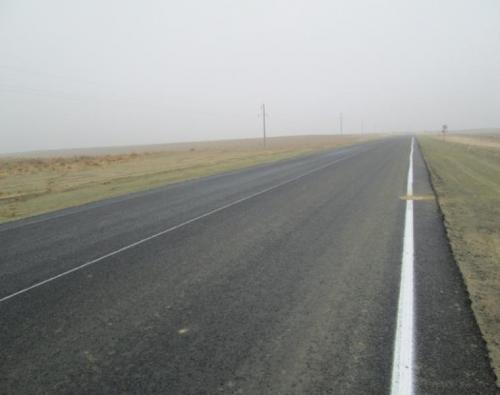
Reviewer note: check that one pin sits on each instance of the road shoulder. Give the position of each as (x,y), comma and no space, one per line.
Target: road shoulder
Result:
(451,353)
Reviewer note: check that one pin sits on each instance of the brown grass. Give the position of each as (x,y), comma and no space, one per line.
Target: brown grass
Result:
(481,141)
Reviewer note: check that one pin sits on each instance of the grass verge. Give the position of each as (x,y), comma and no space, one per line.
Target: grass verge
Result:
(35,185)
(466,178)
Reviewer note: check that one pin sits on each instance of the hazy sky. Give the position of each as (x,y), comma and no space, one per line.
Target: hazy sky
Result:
(103,72)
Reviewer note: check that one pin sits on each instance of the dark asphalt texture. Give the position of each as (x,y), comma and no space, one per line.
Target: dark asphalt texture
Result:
(291,291)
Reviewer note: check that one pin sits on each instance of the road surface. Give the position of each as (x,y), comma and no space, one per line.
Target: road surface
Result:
(282,278)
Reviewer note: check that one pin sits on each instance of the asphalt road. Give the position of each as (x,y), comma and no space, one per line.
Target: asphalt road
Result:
(283,278)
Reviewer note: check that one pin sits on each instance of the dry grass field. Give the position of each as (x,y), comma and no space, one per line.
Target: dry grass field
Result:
(480,140)
(465,172)
(45,181)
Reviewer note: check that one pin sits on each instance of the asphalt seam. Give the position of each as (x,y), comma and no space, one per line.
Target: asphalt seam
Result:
(170,229)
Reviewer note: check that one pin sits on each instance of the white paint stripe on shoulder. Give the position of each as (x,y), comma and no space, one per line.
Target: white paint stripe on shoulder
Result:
(129,246)
(402,364)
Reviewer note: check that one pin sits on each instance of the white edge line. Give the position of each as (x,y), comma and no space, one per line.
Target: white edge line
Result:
(402,382)
(129,246)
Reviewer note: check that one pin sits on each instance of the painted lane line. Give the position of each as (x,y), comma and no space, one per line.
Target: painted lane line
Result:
(402,363)
(168,230)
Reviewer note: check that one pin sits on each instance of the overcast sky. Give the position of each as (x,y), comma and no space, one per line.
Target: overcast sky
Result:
(103,72)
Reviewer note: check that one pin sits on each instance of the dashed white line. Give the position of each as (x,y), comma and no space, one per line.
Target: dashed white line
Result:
(402,364)
(129,246)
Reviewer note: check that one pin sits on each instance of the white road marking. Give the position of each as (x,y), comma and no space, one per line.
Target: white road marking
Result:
(129,246)
(402,363)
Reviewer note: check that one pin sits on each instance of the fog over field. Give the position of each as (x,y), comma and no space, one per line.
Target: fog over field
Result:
(101,73)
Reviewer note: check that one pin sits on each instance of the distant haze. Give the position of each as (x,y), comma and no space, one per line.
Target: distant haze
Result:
(100,73)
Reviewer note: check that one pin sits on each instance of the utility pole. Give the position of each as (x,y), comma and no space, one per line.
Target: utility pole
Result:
(264,124)
(341,126)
